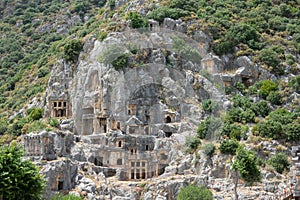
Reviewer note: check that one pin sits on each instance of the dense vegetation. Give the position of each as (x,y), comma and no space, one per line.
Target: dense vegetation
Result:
(19,179)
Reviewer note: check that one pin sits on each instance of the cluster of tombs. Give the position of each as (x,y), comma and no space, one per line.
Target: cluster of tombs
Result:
(131,146)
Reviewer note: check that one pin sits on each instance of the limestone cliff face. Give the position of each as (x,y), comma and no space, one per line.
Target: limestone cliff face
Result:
(156,89)
(131,101)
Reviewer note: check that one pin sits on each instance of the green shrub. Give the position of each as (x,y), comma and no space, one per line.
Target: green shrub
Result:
(261,108)
(137,20)
(292,131)
(229,146)
(233,131)
(274,98)
(241,101)
(283,116)
(53,122)
(112,4)
(121,61)
(192,143)
(223,46)
(15,128)
(279,161)
(36,113)
(271,59)
(295,83)
(72,50)
(243,33)
(270,129)
(101,36)
(209,105)
(234,115)
(240,87)
(3,126)
(163,12)
(186,52)
(209,127)
(34,126)
(209,149)
(193,192)
(266,87)
(247,116)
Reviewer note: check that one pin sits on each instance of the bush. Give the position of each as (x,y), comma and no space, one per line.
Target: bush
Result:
(16,126)
(115,55)
(247,116)
(292,131)
(279,161)
(234,131)
(241,101)
(53,122)
(209,149)
(163,12)
(295,83)
(274,98)
(240,87)
(229,146)
(234,115)
(269,57)
(137,20)
(224,46)
(209,127)
(35,113)
(270,129)
(35,126)
(3,126)
(283,116)
(266,87)
(192,143)
(209,105)
(261,108)
(193,192)
(72,49)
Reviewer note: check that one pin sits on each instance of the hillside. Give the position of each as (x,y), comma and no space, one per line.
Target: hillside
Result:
(189,86)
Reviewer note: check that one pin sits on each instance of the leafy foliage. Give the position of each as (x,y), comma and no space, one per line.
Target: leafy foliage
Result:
(192,143)
(19,179)
(72,49)
(267,86)
(137,20)
(209,127)
(53,122)
(246,164)
(229,146)
(193,192)
(209,105)
(279,161)
(209,149)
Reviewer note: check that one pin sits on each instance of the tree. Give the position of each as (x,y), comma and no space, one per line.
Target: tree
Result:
(193,192)
(245,164)
(19,179)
